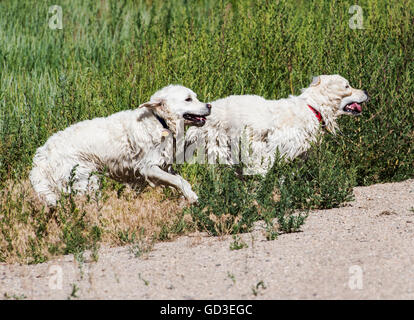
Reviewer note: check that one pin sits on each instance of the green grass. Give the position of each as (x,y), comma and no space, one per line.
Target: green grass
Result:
(112,55)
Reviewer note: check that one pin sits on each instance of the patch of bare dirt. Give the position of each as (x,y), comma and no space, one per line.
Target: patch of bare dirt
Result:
(364,250)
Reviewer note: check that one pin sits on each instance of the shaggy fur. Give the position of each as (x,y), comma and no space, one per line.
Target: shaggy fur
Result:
(265,126)
(130,146)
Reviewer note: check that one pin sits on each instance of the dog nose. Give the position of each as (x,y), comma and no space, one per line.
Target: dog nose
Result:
(366,93)
(208,105)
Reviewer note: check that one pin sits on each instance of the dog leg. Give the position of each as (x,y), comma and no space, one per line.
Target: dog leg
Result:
(154,175)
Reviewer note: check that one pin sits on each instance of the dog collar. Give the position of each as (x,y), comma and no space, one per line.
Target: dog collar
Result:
(318,115)
(166,132)
(162,121)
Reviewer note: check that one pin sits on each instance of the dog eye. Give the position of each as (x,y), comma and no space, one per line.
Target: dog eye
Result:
(347,86)
(188,99)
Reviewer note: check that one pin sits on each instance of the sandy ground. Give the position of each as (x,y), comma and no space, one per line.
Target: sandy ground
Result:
(364,250)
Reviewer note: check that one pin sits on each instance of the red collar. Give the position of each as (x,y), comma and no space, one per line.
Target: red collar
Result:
(317,114)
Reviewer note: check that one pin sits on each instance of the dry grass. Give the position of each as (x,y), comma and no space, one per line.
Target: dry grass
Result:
(218,48)
(31,233)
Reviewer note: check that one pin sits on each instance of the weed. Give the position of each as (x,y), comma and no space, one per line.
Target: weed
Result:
(14,296)
(238,243)
(231,277)
(141,247)
(258,287)
(146,282)
(51,79)
(74,292)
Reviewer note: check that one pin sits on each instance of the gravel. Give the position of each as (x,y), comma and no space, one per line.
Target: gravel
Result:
(364,250)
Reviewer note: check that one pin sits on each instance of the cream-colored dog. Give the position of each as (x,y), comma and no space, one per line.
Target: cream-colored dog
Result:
(288,125)
(126,145)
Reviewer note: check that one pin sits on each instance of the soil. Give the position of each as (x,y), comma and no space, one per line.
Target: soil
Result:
(364,250)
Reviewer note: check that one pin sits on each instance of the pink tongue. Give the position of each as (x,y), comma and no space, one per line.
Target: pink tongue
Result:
(356,106)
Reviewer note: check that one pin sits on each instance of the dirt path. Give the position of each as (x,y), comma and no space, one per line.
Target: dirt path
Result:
(362,251)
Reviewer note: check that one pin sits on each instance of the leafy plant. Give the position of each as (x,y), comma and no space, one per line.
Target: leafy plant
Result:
(238,243)
(110,57)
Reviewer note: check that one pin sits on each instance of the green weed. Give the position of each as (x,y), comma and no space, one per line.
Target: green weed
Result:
(112,56)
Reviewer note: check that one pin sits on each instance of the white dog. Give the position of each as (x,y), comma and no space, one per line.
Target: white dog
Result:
(127,145)
(288,125)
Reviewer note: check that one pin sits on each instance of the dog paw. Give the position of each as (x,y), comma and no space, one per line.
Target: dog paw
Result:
(192,198)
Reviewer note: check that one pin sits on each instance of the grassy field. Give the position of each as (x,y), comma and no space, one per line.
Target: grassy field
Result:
(112,55)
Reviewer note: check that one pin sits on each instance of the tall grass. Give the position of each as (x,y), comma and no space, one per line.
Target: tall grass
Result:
(112,55)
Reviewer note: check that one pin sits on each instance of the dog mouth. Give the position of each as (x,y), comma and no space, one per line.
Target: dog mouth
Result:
(195,119)
(353,108)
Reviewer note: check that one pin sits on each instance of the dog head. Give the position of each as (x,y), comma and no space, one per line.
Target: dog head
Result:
(333,96)
(174,103)
(335,92)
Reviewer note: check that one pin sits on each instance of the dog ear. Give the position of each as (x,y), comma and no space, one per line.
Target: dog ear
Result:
(315,81)
(152,104)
